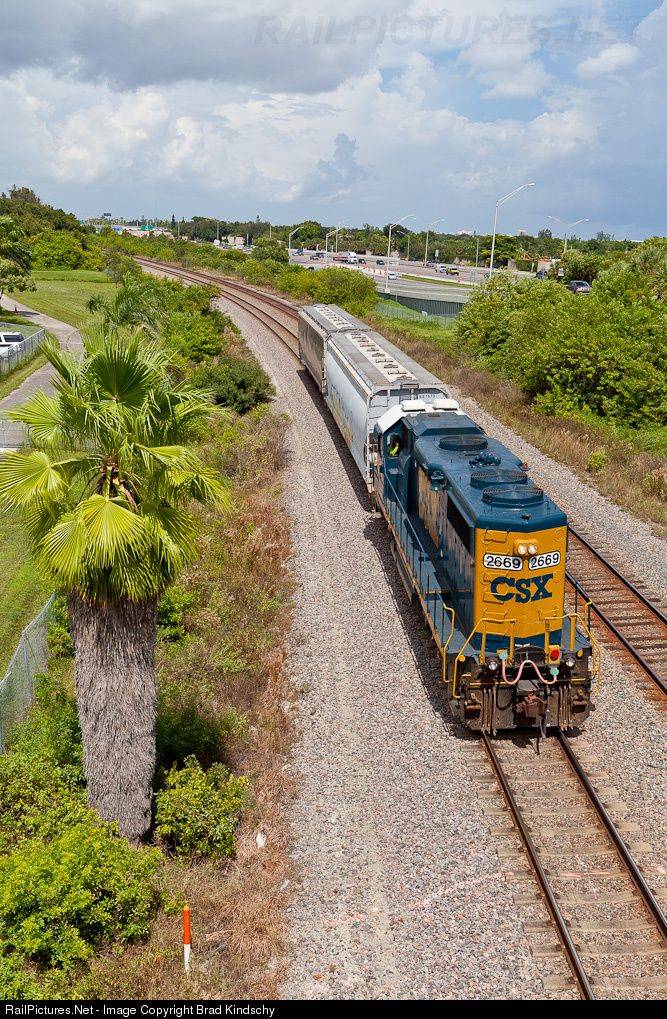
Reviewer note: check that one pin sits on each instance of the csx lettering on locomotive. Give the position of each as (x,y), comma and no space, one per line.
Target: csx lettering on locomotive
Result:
(522,589)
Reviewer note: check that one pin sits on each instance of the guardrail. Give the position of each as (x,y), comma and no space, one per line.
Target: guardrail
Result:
(17,687)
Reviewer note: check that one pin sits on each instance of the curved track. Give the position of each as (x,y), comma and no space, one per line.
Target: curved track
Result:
(597,897)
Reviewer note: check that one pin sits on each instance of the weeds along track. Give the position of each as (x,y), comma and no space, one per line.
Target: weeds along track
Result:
(623,613)
(608,922)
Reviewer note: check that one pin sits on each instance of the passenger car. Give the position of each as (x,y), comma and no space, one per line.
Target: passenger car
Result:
(579,287)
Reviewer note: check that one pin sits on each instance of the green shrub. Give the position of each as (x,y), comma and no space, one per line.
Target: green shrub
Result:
(235,383)
(184,729)
(197,812)
(60,900)
(15,983)
(60,639)
(597,461)
(197,338)
(171,610)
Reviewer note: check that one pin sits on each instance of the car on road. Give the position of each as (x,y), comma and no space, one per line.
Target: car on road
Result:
(392,275)
(541,274)
(299,251)
(316,257)
(579,287)
(379,261)
(361,261)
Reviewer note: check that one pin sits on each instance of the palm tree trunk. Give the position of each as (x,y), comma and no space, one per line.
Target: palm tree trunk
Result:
(114,646)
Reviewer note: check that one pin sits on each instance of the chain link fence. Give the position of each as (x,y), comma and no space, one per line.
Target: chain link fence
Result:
(13,434)
(12,356)
(17,685)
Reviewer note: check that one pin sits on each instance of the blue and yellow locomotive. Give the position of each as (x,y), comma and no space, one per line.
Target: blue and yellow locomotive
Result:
(480,546)
(484,550)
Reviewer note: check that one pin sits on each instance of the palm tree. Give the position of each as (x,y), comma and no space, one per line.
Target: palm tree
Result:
(105,488)
(135,303)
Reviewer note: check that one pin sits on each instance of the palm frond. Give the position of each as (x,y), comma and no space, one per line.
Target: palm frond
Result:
(114,532)
(28,476)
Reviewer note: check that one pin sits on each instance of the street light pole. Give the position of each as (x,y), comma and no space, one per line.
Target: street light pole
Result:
(568,226)
(428,229)
(289,240)
(501,201)
(391,227)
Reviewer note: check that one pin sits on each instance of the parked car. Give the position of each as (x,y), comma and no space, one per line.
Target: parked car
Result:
(541,274)
(10,342)
(579,287)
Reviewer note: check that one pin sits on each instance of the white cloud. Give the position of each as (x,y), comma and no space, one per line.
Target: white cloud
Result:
(614,58)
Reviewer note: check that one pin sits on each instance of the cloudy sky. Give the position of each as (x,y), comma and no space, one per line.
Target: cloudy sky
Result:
(387,107)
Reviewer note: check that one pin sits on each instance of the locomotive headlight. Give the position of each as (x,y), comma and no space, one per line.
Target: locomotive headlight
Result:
(522,549)
(492,664)
(570,661)
(532,549)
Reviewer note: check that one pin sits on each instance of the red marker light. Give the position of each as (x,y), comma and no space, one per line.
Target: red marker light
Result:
(554,654)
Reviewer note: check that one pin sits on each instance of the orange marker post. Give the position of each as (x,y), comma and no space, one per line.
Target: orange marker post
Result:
(186,938)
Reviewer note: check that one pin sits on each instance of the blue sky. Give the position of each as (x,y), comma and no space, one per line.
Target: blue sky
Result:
(387,107)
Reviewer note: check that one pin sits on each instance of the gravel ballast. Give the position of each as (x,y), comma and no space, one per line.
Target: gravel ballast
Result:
(402,893)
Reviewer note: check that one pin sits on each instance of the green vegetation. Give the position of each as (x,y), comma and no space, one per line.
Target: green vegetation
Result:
(105,489)
(582,377)
(22,590)
(220,691)
(65,295)
(68,884)
(197,811)
(15,257)
(599,355)
(61,249)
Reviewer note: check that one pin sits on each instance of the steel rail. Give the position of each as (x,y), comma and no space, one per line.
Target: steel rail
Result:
(649,899)
(573,958)
(617,573)
(630,648)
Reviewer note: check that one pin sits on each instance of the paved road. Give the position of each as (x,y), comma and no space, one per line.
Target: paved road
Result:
(69,339)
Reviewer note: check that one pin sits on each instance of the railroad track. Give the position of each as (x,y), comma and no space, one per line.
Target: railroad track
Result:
(622,614)
(621,611)
(610,925)
(244,297)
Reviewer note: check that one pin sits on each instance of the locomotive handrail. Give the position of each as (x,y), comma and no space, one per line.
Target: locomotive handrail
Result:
(460,657)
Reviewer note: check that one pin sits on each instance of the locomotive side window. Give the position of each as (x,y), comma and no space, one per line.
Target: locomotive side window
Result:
(459,523)
(393,444)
